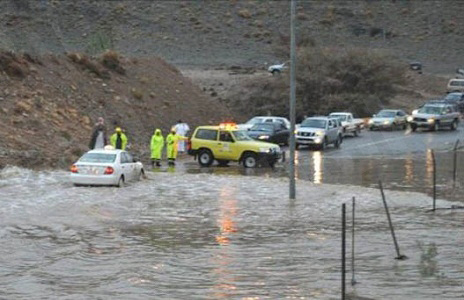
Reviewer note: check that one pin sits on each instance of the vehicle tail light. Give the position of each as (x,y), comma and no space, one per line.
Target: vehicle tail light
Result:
(74,169)
(109,171)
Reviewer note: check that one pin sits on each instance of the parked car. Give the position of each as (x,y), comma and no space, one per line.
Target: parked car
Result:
(264,119)
(273,132)
(435,116)
(455,85)
(320,132)
(276,69)
(350,124)
(388,119)
(106,167)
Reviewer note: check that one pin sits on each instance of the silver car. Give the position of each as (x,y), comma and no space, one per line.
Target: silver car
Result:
(435,116)
(389,119)
(319,132)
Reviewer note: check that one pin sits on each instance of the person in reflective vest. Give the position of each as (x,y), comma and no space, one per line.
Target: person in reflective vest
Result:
(118,140)
(156,147)
(171,144)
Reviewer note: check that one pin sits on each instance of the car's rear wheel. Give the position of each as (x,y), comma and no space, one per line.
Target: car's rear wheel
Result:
(141,175)
(250,160)
(454,125)
(205,158)
(356,132)
(121,182)
(223,163)
(275,72)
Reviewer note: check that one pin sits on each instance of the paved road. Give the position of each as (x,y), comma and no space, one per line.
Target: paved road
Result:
(396,143)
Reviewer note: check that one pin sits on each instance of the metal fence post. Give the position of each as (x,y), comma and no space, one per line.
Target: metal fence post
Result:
(397,247)
(455,161)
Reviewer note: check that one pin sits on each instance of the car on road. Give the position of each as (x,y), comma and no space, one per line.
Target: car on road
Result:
(319,132)
(389,119)
(350,124)
(457,99)
(226,142)
(264,119)
(276,69)
(106,167)
(434,116)
(455,85)
(273,132)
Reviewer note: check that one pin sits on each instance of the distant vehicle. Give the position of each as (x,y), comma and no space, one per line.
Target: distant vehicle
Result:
(349,123)
(388,119)
(276,69)
(455,85)
(318,131)
(226,142)
(270,132)
(435,116)
(106,167)
(456,98)
(264,119)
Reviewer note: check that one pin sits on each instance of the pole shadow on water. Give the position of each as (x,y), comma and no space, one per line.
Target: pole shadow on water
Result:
(397,247)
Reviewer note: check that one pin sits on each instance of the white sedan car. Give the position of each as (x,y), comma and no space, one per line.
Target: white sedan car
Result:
(106,167)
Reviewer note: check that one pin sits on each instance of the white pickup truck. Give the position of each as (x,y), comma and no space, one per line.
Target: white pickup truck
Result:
(349,123)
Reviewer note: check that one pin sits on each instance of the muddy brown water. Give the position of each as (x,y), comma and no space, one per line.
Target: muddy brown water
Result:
(231,233)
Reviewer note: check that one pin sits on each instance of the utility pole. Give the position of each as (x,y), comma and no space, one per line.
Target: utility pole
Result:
(292,98)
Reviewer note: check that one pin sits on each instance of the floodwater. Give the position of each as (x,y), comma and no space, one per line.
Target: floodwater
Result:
(229,233)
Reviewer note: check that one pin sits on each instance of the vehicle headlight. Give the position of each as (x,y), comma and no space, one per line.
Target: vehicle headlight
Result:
(265,150)
(410,119)
(320,133)
(318,140)
(263,137)
(371,121)
(431,120)
(386,122)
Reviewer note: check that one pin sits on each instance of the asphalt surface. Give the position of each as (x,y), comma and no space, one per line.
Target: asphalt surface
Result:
(396,143)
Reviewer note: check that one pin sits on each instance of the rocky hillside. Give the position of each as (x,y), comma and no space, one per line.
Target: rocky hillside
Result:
(49,103)
(212,33)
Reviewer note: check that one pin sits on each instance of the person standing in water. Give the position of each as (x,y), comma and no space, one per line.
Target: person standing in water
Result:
(118,139)
(156,147)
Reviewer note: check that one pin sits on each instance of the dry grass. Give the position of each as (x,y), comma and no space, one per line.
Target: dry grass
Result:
(14,65)
(88,64)
(111,59)
(244,13)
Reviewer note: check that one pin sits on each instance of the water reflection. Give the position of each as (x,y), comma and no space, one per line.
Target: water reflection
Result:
(429,167)
(317,162)
(408,171)
(223,260)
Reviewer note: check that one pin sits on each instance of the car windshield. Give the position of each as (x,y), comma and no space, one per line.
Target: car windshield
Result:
(453,97)
(263,127)
(431,110)
(242,135)
(255,120)
(386,114)
(98,158)
(314,123)
(340,117)
(457,83)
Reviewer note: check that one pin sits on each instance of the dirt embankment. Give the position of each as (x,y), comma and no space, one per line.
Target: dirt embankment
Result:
(49,103)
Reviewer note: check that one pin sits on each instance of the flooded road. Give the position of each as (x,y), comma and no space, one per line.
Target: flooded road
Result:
(231,233)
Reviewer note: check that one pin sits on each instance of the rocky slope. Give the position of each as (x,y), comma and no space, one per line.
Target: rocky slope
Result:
(199,33)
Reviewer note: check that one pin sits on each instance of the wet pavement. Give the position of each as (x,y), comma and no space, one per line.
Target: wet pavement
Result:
(232,233)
